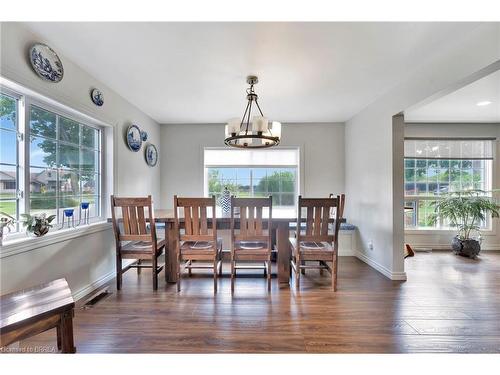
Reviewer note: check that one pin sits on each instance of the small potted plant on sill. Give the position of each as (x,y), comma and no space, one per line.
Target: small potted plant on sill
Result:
(37,225)
(6,221)
(465,210)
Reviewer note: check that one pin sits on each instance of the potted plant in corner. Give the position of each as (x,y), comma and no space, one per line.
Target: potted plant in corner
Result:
(465,210)
(38,225)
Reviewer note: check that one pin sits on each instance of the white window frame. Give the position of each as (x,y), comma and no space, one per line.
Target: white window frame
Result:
(26,98)
(491,177)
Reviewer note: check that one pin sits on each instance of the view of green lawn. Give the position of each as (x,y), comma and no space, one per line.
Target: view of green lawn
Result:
(255,182)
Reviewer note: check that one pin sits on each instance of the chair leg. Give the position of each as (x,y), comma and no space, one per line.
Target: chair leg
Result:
(215,274)
(139,268)
(269,274)
(118,272)
(179,275)
(232,275)
(321,269)
(297,273)
(165,273)
(189,269)
(154,271)
(303,270)
(220,267)
(334,275)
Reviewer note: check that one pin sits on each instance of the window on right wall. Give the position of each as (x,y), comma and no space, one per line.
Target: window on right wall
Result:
(434,167)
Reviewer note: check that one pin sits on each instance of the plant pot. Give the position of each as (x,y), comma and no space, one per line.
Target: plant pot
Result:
(469,248)
(39,232)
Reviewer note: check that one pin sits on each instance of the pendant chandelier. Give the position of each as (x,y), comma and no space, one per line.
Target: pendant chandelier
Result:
(252,132)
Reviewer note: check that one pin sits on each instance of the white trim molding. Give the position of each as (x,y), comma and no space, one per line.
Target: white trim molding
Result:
(397,276)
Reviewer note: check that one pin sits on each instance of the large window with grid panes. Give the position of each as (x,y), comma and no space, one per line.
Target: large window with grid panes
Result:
(50,160)
(253,173)
(435,167)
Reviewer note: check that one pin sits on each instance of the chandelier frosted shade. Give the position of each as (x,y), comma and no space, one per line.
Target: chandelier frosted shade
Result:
(276,129)
(257,133)
(233,126)
(260,124)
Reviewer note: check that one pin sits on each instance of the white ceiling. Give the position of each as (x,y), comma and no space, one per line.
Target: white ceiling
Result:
(195,72)
(461,105)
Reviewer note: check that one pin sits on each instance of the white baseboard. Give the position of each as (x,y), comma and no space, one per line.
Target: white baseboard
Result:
(97,283)
(400,276)
(94,285)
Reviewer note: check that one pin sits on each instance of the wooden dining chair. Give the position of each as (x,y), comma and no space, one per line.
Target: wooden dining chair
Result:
(252,242)
(198,241)
(132,237)
(318,241)
(340,207)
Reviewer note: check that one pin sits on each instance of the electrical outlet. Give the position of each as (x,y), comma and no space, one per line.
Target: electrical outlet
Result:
(370,245)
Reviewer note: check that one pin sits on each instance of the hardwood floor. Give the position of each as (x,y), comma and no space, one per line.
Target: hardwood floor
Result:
(448,304)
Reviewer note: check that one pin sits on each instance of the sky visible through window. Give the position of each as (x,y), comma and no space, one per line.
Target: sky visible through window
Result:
(8,156)
(8,122)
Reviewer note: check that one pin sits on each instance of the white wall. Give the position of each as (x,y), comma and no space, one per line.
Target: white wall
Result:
(90,258)
(369,145)
(442,239)
(322,157)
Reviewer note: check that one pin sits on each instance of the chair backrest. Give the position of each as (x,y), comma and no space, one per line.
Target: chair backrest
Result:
(340,207)
(197,226)
(252,226)
(317,217)
(132,214)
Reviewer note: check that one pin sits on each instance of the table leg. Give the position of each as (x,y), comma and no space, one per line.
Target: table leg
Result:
(66,332)
(171,253)
(59,343)
(283,260)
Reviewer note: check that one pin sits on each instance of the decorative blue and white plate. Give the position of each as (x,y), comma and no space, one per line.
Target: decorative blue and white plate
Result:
(144,135)
(97,97)
(46,63)
(134,140)
(151,155)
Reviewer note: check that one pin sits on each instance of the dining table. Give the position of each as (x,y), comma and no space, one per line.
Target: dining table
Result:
(283,221)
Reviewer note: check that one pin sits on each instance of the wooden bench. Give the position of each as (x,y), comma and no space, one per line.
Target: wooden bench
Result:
(34,310)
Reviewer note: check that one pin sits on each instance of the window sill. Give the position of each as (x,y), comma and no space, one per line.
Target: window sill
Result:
(485,232)
(23,244)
